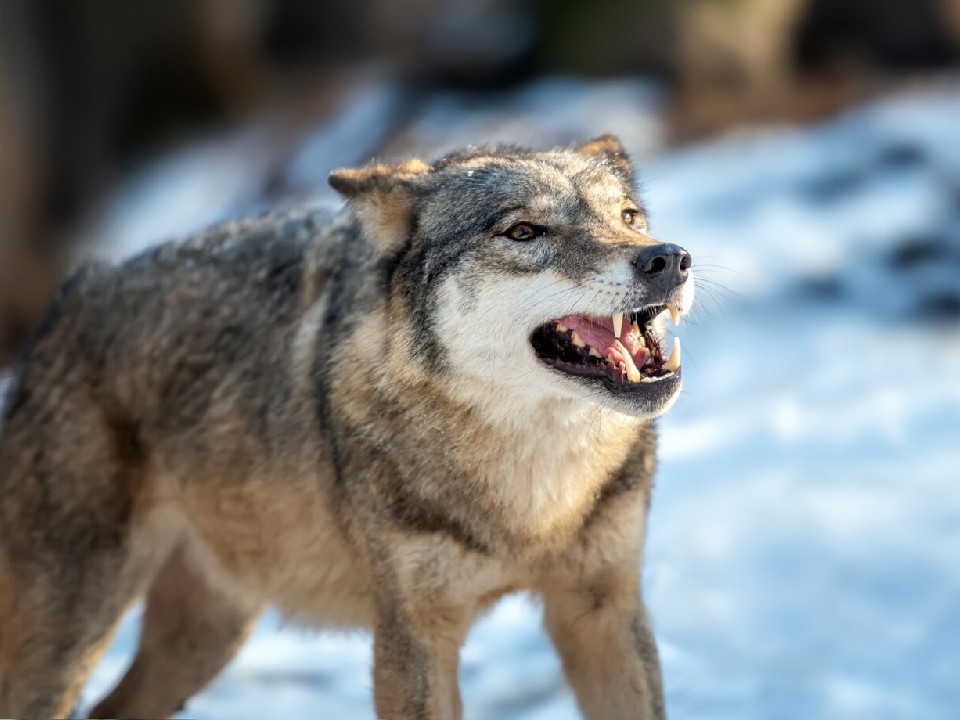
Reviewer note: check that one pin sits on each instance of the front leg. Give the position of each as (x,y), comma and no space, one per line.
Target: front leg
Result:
(603,636)
(425,604)
(415,666)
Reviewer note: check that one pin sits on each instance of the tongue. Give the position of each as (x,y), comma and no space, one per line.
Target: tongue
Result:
(600,336)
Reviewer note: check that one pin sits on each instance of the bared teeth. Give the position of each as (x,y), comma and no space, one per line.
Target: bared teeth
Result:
(593,353)
(577,340)
(674,314)
(633,375)
(636,330)
(617,324)
(561,327)
(672,363)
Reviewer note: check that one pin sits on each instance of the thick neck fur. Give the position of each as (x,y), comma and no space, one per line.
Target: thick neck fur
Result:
(532,466)
(540,463)
(545,462)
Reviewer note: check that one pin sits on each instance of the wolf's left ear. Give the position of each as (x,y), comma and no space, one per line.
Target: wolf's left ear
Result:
(607,148)
(382,198)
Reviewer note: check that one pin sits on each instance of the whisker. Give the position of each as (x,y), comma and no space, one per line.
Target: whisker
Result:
(718,306)
(706,279)
(708,286)
(542,300)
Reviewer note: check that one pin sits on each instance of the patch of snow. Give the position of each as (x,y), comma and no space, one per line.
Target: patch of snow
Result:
(206,181)
(5,381)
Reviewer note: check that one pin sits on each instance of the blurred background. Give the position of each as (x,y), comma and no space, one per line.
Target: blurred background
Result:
(804,547)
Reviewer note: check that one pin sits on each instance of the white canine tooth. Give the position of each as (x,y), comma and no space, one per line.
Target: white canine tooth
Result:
(633,375)
(617,324)
(576,339)
(636,330)
(561,327)
(672,363)
(593,352)
(674,313)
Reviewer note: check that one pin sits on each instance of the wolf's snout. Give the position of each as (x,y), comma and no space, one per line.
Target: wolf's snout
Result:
(664,265)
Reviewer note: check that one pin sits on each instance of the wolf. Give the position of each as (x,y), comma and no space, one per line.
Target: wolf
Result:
(388,417)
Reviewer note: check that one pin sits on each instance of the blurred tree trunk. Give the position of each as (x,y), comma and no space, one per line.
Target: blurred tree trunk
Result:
(759,60)
(28,270)
(87,88)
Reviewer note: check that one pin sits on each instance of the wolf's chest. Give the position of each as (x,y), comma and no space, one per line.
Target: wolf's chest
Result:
(543,486)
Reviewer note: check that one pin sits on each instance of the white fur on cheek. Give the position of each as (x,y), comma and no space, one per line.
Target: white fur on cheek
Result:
(486,326)
(485,319)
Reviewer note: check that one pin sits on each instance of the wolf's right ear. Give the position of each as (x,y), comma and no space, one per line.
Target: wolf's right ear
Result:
(352,182)
(381,195)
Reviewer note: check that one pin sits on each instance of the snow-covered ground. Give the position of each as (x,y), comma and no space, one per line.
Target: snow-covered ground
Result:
(804,547)
(806,533)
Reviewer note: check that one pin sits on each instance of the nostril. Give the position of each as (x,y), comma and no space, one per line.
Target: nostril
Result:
(658,264)
(662,259)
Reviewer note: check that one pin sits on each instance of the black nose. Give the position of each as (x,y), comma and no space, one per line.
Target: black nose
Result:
(663,264)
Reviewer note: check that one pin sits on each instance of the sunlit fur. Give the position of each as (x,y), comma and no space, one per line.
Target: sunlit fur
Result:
(342,416)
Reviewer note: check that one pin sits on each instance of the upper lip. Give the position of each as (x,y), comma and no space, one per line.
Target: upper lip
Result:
(649,311)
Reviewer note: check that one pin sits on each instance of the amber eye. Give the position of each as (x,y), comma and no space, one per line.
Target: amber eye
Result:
(523,231)
(629,216)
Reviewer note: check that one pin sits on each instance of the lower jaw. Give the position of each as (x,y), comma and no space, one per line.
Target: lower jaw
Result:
(608,375)
(654,389)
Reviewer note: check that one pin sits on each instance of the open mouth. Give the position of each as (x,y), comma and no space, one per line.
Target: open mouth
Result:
(621,350)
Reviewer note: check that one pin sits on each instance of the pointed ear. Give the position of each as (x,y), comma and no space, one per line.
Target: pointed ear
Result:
(351,182)
(381,196)
(609,150)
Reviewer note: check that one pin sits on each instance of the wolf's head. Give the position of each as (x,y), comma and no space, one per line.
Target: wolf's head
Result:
(527,274)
